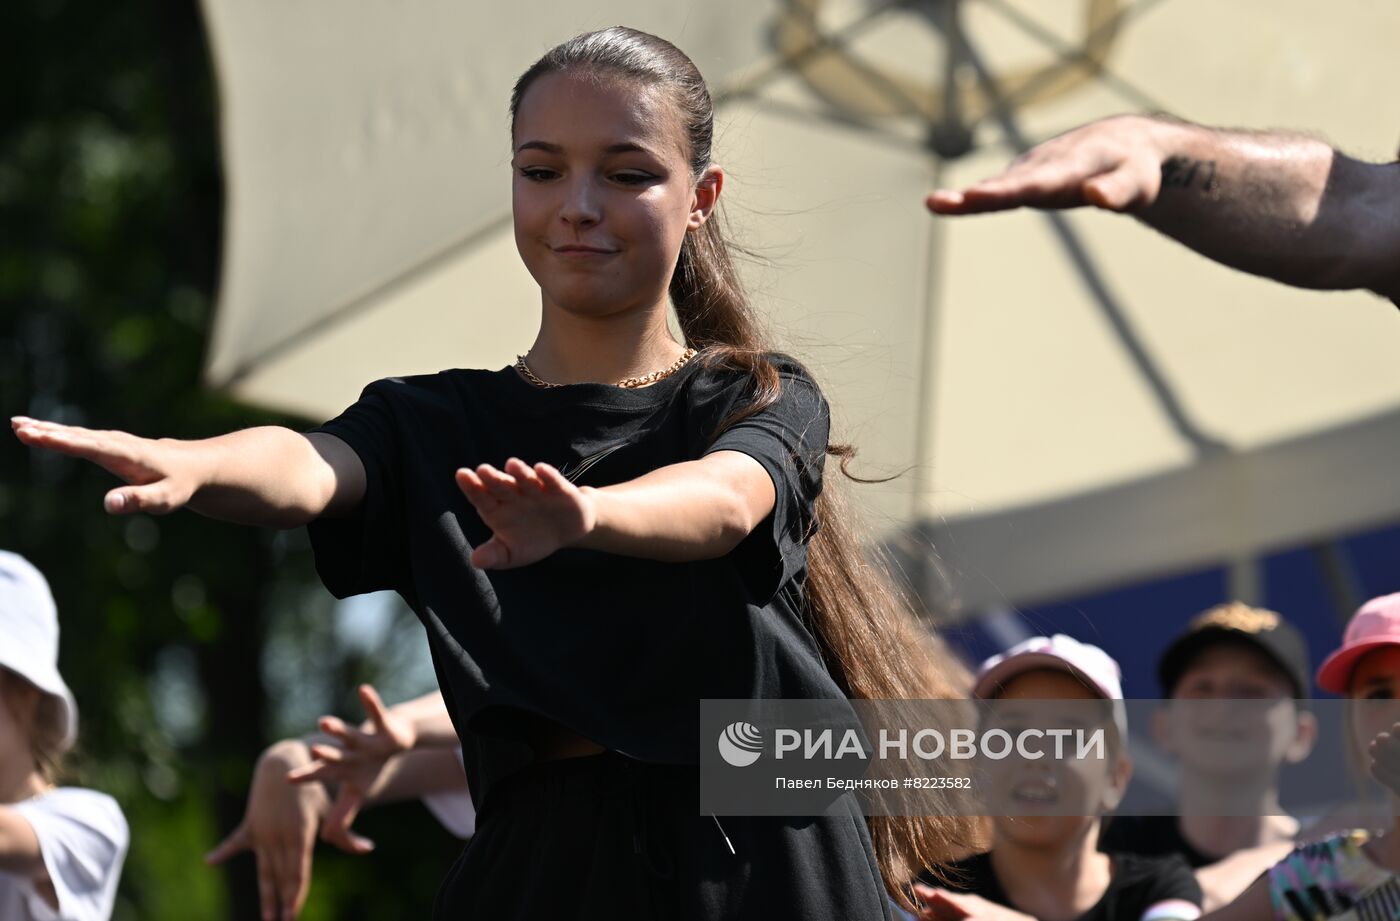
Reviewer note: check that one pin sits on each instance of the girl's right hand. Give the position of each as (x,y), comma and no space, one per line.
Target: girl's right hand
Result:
(355,765)
(162,475)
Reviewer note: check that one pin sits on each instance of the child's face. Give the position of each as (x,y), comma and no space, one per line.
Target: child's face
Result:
(1376,681)
(602,192)
(1087,787)
(18,699)
(1252,736)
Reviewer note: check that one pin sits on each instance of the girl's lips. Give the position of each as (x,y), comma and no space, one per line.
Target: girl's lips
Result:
(571,250)
(1035,791)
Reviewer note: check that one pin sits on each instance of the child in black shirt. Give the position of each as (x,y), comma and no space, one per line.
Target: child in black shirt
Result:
(1047,867)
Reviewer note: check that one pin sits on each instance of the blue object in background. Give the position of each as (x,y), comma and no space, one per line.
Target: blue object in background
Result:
(1135,623)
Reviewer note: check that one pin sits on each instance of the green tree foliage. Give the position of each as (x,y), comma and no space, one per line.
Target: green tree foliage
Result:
(110,216)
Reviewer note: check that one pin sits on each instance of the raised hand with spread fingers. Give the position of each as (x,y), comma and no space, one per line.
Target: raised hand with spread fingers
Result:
(355,764)
(531,511)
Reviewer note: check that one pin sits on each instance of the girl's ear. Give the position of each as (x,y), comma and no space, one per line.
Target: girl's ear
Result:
(706,197)
(1304,740)
(1119,774)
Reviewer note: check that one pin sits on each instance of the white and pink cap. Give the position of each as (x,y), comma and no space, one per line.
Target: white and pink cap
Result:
(1086,662)
(1377,624)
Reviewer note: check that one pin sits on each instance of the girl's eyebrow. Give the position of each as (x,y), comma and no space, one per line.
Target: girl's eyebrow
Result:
(621,147)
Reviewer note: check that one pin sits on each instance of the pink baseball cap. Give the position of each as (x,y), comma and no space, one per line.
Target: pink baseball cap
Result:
(1377,624)
(1086,662)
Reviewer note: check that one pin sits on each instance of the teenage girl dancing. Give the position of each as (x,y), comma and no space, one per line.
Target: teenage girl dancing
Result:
(603,533)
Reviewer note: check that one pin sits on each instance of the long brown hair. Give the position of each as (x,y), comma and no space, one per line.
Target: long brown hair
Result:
(874,645)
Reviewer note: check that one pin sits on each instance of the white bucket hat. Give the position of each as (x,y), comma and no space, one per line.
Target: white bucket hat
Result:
(29,635)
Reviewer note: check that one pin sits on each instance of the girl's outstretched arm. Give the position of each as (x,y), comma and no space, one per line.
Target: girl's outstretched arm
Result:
(692,510)
(268,476)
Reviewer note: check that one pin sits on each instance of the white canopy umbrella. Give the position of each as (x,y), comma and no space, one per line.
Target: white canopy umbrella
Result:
(1078,403)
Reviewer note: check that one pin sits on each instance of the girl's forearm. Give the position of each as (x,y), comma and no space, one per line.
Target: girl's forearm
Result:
(273,476)
(417,773)
(432,727)
(681,512)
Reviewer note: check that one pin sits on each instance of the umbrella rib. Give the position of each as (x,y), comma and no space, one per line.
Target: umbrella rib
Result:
(1074,57)
(358,304)
(928,343)
(780,66)
(1204,443)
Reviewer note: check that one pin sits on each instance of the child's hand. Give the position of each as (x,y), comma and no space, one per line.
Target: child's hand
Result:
(160,474)
(1385,758)
(942,905)
(531,511)
(279,827)
(355,766)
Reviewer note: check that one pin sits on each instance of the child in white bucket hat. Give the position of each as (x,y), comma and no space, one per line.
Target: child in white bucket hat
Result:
(61,848)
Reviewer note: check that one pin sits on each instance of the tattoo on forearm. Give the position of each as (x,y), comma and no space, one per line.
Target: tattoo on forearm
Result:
(1186,173)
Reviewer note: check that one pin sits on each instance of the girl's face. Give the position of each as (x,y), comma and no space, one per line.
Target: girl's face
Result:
(602,193)
(18,699)
(1375,684)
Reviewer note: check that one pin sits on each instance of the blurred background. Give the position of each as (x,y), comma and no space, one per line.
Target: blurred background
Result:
(239,212)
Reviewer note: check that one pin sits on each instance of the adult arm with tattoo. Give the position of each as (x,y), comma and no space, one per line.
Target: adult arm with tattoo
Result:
(1284,206)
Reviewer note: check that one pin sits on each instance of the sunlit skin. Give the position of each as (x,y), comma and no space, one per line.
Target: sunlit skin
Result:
(603,196)
(1049,866)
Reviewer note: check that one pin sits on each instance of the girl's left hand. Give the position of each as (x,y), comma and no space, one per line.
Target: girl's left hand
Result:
(942,905)
(531,511)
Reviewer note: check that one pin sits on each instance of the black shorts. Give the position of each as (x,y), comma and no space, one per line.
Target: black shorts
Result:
(607,837)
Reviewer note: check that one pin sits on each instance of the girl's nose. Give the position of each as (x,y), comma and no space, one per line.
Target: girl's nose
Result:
(581,204)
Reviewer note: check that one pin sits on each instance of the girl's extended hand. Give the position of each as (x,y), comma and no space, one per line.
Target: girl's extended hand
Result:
(162,477)
(1385,758)
(942,905)
(279,827)
(355,766)
(531,511)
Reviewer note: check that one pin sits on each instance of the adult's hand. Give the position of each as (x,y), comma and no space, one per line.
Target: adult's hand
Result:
(1115,164)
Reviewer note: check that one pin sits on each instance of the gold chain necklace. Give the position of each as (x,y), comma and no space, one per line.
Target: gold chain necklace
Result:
(629,383)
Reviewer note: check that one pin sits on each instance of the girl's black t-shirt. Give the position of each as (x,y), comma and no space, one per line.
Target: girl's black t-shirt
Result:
(616,649)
